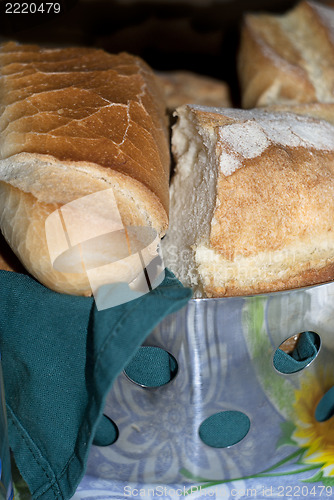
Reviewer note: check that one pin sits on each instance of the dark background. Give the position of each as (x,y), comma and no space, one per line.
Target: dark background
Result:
(200,36)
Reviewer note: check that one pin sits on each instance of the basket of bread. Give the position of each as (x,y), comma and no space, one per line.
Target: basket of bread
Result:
(91,211)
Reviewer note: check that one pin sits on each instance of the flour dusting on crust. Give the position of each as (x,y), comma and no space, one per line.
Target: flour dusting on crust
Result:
(259,130)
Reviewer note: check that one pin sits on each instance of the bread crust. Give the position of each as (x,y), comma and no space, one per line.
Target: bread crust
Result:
(271,222)
(307,278)
(73,122)
(287,58)
(186,87)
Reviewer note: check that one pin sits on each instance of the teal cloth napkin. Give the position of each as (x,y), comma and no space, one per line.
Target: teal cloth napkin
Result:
(60,356)
(151,367)
(304,352)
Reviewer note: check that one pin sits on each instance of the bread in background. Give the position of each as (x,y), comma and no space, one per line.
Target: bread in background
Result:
(252,201)
(287,59)
(186,87)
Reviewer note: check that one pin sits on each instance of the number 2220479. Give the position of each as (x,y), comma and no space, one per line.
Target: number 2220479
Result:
(304,491)
(32,8)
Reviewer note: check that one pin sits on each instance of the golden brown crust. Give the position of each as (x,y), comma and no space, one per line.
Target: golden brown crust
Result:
(74,122)
(278,193)
(302,280)
(84,105)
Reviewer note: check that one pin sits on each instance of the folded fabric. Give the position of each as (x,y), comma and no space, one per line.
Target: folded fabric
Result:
(151,367)
(304,352)
(60,356)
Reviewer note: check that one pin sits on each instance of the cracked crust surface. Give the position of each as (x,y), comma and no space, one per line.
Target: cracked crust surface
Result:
(84,105)
(73,122)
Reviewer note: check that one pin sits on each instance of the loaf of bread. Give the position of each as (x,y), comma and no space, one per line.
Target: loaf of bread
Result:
(186,87)
(77,121)
(288,58)
(252,201)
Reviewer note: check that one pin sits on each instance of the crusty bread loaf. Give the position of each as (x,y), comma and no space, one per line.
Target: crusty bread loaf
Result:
(76,121)
(252,201)
(186,87)
(287,58)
